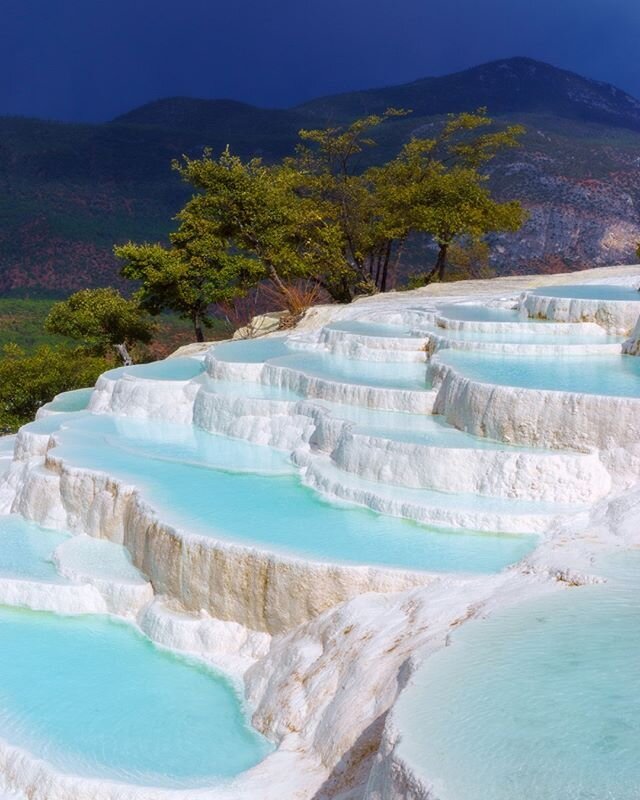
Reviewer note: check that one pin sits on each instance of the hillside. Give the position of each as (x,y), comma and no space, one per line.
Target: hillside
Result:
(68,192)
(506,86)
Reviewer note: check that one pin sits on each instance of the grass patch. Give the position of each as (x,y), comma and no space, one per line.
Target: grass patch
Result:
(22,323)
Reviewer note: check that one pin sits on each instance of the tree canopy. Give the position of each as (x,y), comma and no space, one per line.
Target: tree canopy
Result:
(324,215)
(28,380)
(197,270)
(102,319)
(259,212)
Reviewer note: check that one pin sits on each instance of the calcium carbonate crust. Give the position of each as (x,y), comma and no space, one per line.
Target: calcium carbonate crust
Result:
(321,672)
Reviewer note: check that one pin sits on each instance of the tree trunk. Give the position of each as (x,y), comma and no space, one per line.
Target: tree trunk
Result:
(393,269)
(441,262)
(121,350)
(385,267)
(197,327)
(273,272)
(440,266)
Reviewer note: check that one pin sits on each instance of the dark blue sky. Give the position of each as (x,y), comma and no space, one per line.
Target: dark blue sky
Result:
(93,59)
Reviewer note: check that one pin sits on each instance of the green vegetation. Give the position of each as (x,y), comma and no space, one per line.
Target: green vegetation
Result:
(434,186)
(22,323)
(103,320)
(196,272)
(28,380)
(69,191)
(36,364)
(327,219)
(316,217)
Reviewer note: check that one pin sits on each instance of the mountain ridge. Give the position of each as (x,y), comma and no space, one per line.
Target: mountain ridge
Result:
(69,191)
(523,74)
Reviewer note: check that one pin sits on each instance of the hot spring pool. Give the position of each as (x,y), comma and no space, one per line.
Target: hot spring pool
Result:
(593,291)
(76,400)
(541,701)
(366,328)
(593,374)
(26,550)
(526,336)
(95,698)
(252,351)
(212,491)
(402,375)
(476,312)
(171,369)
(425,429)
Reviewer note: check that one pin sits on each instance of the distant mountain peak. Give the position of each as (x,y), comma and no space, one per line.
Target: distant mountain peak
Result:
(517,84)
(508,85)
(74,190)
(172,111)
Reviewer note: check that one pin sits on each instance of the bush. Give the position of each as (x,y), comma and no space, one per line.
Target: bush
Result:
(102,319)
(28,381)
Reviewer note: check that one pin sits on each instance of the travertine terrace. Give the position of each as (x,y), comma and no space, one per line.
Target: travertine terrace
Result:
(323,597)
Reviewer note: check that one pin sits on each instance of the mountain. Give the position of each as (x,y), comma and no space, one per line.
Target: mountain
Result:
(514,85)
(68,192)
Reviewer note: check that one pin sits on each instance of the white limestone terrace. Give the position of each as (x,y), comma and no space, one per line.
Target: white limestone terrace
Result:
(611,304)
(344,405)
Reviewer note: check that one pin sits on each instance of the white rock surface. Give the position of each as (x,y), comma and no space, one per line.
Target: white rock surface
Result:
(323,650)
(615,316)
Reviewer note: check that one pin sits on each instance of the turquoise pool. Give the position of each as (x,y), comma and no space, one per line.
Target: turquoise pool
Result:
(594,291)
(605,374)
(95,698)
(541,701)
(364,328)
(252,351)
(527,335)
(219,497)
(171,369)
(26,550)
(76,400)
(400,375)
(425,429)
(475,312)
(251,389)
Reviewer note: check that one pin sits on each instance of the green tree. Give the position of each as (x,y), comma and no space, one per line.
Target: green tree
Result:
(257,211)
(434,186)
(28,380)
(363,205)
(196,271)
(323,215)
(445,190)
(102,319)
(460,205)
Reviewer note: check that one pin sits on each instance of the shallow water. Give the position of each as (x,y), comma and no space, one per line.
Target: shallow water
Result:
(475,312)
(26,550)
(363,373)
(95,698)
(252,351)
(425,429)
(526,336)
(220,498)
(76,400)
(541,701)
(327,366)
(592,374)
(53,422)
(591,292)
(171,369)
(364,328)
(250,389)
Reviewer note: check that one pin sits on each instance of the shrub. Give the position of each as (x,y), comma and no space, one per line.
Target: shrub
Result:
(28,381)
